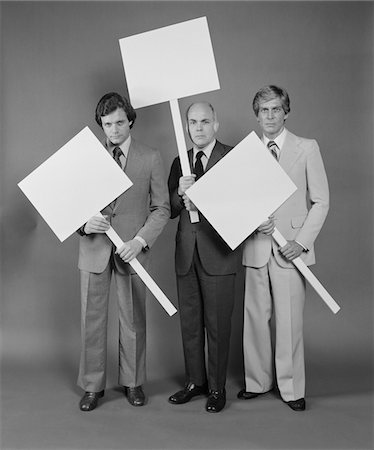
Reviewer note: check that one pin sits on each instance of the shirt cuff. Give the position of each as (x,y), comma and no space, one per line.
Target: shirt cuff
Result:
(305,249)
(141,240)
(81,231)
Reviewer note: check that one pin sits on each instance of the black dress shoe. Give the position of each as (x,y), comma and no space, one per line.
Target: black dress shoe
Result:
(135,395)
(297,405)
(216,401)
(245,395)
(89,400)
(185,395)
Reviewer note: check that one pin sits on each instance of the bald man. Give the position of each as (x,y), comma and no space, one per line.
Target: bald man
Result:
(205,268)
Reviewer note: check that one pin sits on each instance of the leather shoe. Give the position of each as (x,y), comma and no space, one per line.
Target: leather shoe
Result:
(135,395)
(245,395)
(297,405)
(216,401)
(89,400)
(185,395)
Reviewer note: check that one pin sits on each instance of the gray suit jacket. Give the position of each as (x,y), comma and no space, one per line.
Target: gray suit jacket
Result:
(301,217)
(142,210)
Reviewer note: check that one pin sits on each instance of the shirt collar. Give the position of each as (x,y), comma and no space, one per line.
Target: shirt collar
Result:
(207,150)
(279,140)
(124,146)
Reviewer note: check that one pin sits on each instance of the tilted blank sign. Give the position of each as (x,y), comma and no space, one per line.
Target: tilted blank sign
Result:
(242,190)
(74,184)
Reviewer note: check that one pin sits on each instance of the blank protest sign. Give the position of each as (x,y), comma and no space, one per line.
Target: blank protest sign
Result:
(74,184)
(169,63)
(242,190)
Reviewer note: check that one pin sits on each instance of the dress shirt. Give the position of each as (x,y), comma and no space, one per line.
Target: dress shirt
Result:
(124,147)
(207,152)
(279,140)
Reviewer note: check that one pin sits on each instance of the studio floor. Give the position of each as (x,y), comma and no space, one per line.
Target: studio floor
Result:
(40,411)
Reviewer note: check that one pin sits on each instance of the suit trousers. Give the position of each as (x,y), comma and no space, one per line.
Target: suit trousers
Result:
(273,290)
(94,319)
(205,305)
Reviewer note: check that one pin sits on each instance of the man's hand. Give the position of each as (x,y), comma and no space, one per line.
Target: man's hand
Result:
(97,224)
(267,227)
(185,183)
(189,205)
(130,250)
(291,250)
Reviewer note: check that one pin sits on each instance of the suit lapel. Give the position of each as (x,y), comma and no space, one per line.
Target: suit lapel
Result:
(134,166)
(217,153)
(135,161)
(290,152)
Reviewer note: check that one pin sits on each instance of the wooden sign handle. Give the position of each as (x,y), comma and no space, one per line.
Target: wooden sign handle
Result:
(304,269)
(182,150)
(144,275)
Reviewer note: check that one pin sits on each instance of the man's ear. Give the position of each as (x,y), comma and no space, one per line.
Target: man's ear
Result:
(130,123)
(215,126)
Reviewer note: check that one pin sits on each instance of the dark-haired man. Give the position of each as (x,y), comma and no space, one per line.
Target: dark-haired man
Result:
(138,216)
(205,267)
(273,284)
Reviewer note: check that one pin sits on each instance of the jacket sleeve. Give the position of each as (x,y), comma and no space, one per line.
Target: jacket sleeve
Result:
(159,206)
(176,202)
(318,193)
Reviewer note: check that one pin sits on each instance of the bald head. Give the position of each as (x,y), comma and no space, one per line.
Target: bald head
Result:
(202,124)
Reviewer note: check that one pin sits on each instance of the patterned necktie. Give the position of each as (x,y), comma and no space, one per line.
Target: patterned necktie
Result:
(273,147)
(117,153)
(199,169)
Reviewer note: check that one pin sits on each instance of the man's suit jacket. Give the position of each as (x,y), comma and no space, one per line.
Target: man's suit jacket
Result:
(142,210)
(301,217)
(216,256)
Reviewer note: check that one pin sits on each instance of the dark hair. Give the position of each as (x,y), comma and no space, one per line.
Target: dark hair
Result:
(112,101)
(269,93)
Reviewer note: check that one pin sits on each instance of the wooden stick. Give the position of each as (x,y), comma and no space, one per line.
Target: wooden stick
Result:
(144,275)
(182,150)
(303,268)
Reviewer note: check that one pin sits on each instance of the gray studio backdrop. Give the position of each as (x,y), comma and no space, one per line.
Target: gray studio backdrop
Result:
(59,58)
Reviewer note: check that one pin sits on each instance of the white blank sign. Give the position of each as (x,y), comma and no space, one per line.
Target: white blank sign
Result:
(169,63)
(74,184)
(242,190)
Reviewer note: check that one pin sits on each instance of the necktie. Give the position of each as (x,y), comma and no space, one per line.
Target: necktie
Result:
(273,147)
(117,152)
(199,169)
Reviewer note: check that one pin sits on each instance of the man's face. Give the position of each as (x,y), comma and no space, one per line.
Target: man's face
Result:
(116,126)
(201,125)
(271,117)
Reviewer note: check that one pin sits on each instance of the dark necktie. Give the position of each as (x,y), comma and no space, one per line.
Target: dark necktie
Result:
(117,152)
(273,147)
(199,169)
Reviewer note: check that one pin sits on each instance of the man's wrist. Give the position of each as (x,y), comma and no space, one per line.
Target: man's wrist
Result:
(142,241)
(303,246)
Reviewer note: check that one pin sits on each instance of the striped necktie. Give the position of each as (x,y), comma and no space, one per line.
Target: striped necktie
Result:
(199,169)
(273,147)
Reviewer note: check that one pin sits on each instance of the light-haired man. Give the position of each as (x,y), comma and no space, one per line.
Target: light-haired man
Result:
(273,284)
